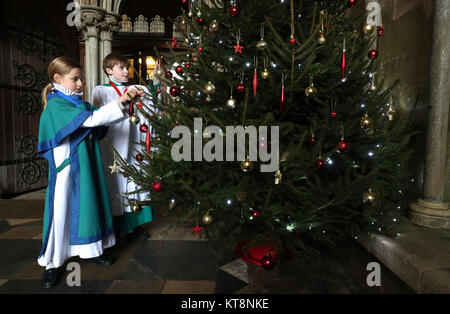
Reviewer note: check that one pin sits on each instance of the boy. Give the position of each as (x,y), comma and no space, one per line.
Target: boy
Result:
(122,136)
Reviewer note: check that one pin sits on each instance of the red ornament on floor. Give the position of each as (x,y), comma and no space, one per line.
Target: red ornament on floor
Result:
(268,262)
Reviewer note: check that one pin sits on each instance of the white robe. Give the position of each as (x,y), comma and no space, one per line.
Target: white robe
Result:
(58,248)
(123,136)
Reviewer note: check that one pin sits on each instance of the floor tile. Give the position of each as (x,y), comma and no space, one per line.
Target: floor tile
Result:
(28,232)
(179,260)
(21,209)
(15,222)
(17,255)
(189,287)
(228,284)
(34,287)
(2,281)
(136,287)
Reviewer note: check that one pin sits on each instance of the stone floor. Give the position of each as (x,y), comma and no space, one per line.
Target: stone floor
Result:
(172,261)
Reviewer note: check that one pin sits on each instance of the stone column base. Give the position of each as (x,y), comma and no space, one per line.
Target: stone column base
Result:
(430,213)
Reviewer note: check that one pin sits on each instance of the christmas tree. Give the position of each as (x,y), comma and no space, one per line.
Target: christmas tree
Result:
(333,159)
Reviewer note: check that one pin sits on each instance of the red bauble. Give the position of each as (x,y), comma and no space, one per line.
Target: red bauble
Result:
(254,255)
(169,74)
(200,20)
(158,90)
(174,91)
(200,49)
(352,3)
(240,88)
(179,69)
(333,114)
(268,262)
(143,128)
(373,54)
(380,30)
(342,147)
(235,11)
(292,41)
(312,140)
(187,65)
(256,214)
(157,186)
(320,163)
(139,157)
(184,1)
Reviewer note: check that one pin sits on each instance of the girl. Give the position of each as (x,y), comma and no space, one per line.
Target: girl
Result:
(77,216)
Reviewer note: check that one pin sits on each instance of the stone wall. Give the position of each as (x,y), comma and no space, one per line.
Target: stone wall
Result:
(405,57)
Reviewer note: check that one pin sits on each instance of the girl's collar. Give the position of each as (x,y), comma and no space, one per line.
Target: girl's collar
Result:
(66,91)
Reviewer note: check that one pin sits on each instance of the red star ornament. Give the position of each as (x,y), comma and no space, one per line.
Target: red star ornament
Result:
(238,48)
(197,229)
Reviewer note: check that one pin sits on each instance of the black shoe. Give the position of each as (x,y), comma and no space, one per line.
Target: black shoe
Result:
(49,278)
(102,260)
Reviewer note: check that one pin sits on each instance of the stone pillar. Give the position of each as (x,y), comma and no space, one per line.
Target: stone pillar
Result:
(91,22)
(432,210)
(110,25)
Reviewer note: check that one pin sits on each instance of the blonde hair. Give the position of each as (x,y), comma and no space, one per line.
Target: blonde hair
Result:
(61,66)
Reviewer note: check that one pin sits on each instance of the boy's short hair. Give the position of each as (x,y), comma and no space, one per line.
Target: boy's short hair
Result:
(112,59)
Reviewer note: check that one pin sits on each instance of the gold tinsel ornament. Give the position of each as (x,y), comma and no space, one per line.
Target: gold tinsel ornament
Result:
(247,165)
(207,218)
(366,123)
(136,208)
(369,197)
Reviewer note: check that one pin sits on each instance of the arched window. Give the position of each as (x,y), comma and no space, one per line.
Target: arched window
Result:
(126,25)
(141,25)
(157,26)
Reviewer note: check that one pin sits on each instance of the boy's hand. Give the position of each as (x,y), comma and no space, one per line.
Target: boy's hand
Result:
(131,96)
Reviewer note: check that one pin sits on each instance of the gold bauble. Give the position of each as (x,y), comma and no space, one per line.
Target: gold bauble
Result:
(207,219)
(134,119)
(247,165)
(209,98)
(265,74)
(366,123)
(310,90)
(199,14)
(214,26)
(159,73)
(262,44)
(322,39)
(190,14)
(231,103)
(373,87)
(369,197)
(368,29)
(209,88)
(136,208)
